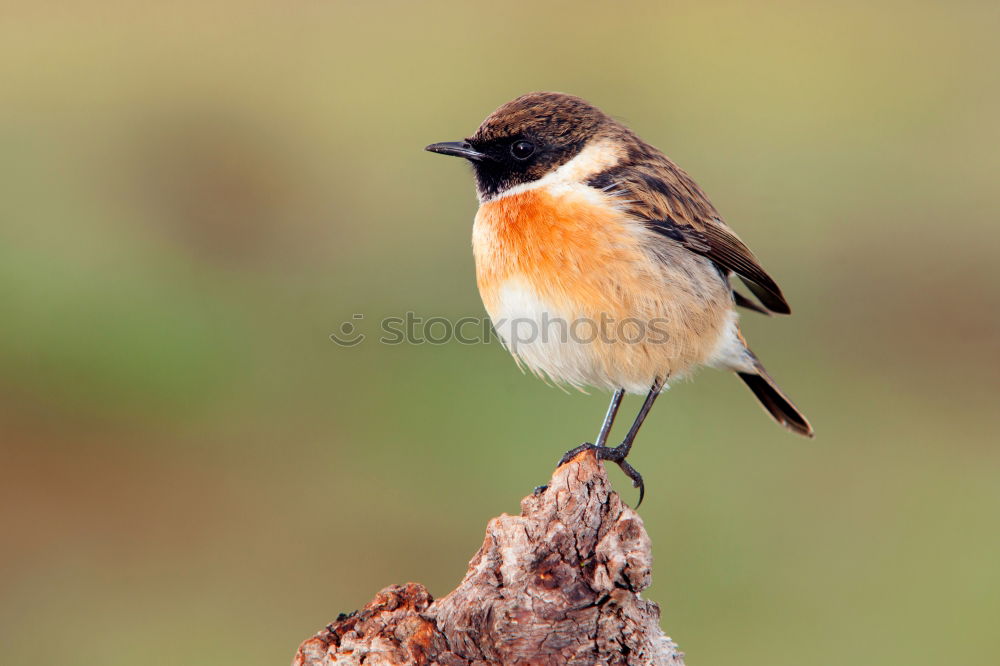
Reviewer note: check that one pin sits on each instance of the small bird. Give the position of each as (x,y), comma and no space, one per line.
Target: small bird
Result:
(583,226)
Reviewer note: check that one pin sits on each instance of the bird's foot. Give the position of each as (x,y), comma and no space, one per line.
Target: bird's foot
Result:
(573,453)
(617,455)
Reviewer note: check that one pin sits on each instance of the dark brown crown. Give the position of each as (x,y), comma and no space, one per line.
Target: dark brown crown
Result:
(557,117)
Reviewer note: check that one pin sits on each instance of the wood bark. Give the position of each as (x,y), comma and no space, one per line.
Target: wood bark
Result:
(558,584)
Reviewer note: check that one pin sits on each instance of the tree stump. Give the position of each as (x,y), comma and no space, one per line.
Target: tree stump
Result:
(558,584)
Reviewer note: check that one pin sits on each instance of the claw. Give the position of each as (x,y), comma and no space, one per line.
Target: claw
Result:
(637,481)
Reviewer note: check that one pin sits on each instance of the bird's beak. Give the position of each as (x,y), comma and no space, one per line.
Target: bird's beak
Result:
(457,149)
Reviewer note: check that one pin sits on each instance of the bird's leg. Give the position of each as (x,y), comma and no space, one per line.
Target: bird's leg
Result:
(618,454)
(602,436)
(609,418)
(626,444)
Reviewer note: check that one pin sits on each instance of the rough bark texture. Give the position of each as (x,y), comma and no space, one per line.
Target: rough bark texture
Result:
(558,584)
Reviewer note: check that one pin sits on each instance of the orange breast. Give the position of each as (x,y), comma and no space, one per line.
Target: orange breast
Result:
(573,249)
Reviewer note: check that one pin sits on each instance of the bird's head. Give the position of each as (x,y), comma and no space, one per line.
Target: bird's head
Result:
(529,138)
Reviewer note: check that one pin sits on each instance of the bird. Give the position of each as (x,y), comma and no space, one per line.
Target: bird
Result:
(584,227)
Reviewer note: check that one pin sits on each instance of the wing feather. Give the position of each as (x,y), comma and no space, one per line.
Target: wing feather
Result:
(662,195)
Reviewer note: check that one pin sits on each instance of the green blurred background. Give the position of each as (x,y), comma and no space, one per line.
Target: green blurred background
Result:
(193,196)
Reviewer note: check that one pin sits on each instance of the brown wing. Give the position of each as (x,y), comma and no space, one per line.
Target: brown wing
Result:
(664,196)
(722,246)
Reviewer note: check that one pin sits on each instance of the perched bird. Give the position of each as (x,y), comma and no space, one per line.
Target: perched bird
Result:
(585,228)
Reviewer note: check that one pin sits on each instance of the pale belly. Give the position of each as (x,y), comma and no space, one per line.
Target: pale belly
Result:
(605,349)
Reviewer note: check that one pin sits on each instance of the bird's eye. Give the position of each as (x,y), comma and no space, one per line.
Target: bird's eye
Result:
(522,150)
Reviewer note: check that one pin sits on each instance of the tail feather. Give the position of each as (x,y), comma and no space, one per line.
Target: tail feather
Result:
(777,404)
